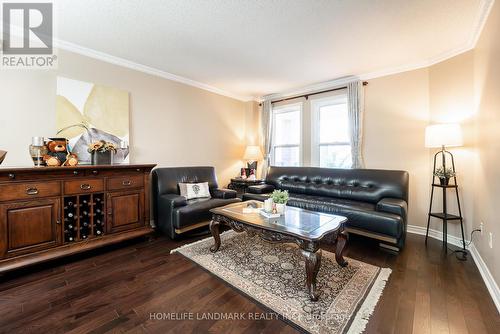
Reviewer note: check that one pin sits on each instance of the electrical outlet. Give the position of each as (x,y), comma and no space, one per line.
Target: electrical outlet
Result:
(481,227)
(490,241)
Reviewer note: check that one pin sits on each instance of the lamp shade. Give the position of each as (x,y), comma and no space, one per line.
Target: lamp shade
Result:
(439,135)
(253,153)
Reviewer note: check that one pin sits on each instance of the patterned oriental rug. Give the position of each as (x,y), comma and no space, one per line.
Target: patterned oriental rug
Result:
(274,276)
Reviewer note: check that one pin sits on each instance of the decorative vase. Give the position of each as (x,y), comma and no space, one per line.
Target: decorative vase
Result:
(444,181)
(102,158)
(280,208)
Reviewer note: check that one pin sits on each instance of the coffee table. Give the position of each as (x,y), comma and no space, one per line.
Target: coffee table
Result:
(303,227)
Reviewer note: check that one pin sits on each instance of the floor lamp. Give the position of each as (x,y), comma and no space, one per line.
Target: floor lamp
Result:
(442,136)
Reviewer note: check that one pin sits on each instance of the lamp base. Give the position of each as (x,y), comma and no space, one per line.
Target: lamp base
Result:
(252,165)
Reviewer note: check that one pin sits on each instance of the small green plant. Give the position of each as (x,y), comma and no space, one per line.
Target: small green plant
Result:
(280,196)
(442,173)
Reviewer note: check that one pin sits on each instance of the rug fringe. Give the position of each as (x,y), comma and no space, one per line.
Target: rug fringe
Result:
(197,242)
(366,310)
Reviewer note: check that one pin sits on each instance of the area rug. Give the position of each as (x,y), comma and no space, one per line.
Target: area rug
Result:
(274,276)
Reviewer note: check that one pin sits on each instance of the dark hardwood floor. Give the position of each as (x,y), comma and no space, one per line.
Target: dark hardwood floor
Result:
(118,288)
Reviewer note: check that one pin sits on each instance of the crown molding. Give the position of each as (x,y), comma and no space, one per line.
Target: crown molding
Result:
(485,7)
(64,45)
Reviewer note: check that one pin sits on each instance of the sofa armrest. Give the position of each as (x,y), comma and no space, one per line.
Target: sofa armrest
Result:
(224,193)
(393,205)
(172,200)
(165,205)
(260,189)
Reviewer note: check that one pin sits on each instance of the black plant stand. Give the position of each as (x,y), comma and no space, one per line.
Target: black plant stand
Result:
(445,216)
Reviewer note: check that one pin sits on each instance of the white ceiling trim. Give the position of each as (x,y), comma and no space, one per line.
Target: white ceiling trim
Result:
(485,9)
(143,68)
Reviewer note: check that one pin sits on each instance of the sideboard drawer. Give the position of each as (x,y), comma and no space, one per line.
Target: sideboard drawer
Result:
(17,191)
(126,182)
(83,186)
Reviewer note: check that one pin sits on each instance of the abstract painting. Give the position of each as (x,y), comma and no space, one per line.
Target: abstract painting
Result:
(87,112)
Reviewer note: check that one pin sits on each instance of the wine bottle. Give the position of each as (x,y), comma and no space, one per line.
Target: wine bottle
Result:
(70,214)
(70,226)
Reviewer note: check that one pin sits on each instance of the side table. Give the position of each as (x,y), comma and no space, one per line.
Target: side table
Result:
(241,185)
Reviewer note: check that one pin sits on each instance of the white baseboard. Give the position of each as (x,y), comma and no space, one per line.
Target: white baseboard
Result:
(486,275)
(488,279)
(435,234)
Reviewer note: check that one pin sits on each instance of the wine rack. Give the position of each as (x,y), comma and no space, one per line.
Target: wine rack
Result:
(98,214)
(70,219)
(84,217)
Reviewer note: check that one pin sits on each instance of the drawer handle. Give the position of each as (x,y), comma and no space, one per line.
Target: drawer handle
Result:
(127,183)
(12,176)
(85,186)
(32,191)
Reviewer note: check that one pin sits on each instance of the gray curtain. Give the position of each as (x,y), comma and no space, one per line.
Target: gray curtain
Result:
(267,128)
(355,102)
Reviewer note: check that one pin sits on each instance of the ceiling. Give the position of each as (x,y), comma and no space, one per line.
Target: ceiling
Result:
(248,49)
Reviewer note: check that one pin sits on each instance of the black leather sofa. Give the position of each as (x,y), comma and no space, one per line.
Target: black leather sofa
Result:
(374,201)
(174,214)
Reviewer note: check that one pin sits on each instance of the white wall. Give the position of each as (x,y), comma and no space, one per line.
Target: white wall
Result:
(487,107)
(396,114)
(172,124)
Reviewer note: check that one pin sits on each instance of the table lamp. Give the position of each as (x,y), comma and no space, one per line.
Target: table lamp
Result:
(252,155)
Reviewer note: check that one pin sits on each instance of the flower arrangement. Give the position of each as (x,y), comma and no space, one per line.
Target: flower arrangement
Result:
(443,173)
(101,146)
(280,196)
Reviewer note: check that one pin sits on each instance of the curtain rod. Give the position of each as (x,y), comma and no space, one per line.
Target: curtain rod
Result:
(307,95)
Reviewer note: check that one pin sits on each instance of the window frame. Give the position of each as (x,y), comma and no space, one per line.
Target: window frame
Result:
(281,109)
(315,105)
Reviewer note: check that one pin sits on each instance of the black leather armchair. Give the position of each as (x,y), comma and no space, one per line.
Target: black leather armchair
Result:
(174,214)
(374,201)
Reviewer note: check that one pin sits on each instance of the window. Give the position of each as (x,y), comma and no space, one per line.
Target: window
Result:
(286,150)
(330,133)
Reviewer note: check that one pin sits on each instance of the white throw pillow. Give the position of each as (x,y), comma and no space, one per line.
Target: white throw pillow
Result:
(194,190)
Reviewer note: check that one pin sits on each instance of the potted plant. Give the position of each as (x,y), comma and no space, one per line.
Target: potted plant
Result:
(444,175)
(280,197)
(102,152)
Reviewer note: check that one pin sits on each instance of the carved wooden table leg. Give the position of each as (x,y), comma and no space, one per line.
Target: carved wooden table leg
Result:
(214,229)
(313,263)
(340,247)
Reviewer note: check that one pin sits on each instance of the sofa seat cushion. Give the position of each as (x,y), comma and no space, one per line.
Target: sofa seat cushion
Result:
(359,214)
(257,197)
(198,210)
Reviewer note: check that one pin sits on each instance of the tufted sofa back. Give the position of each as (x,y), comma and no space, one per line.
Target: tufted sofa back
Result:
(166,180)
(367,185)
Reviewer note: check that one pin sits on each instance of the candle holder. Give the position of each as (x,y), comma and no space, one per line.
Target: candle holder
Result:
(37,150)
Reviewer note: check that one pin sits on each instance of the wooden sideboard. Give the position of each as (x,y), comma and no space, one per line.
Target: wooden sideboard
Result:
(51,212)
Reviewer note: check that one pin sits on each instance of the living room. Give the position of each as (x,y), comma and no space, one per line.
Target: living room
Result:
(139,138)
